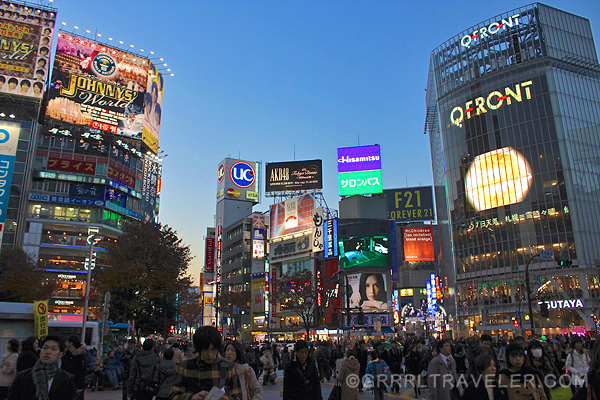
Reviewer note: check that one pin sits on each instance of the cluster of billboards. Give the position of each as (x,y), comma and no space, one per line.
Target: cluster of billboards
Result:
(359,170)
(26,36)
(106,89)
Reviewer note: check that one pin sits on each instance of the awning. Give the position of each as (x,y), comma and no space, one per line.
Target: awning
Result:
(387,330)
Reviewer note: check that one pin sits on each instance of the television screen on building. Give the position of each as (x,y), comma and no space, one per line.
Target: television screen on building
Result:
(418,244)
(364,251)
(27,33)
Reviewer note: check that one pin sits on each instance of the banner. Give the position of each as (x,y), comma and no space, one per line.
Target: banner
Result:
(40,318)
(209,255)
(317,243)
(153,107)
(370,292)
(280,216)
(152,173)
(97,86)
(9,139)
(26,33)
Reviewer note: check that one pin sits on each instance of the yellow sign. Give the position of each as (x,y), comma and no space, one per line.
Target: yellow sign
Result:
(252,196)
(208,300)
(40,318)
(220,193)
(406,292)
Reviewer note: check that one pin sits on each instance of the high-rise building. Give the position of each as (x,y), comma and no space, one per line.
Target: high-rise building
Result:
(512,114)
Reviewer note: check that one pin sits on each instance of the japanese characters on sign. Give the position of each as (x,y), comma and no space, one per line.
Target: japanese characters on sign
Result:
(75,166)
(9,138)
(359,170)
(294,175)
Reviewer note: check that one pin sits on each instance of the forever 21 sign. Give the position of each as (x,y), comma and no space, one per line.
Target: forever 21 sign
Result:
(294,176)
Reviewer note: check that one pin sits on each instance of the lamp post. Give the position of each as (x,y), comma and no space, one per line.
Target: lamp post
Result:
(92,239)
(529,294)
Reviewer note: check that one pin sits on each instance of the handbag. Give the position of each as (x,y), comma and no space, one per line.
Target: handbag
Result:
(336,393)
(560,393)
(368,384)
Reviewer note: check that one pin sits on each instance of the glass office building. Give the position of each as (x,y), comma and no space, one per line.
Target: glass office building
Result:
(513,114)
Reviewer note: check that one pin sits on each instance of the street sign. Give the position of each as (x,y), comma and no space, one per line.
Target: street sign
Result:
(516,313)
(546,255)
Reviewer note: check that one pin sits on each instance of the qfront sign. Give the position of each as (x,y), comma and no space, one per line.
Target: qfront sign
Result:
(485,32)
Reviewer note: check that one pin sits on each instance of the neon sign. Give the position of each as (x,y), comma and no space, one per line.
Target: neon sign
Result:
(557,304)
(493,101)
(493,28)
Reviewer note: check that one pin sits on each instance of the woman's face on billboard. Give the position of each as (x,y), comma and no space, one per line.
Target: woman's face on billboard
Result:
(372,287)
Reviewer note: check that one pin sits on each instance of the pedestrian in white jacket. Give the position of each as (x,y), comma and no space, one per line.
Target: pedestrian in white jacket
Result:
(578,363)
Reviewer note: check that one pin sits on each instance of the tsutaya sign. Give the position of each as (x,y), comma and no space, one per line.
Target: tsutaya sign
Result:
(493,101)
(491,29)
(559,304)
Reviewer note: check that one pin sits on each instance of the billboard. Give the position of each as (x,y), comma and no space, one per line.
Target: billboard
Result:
(238,180)
(151,177)
(294,175)
(153,107)
(330,238)
(359,170)
(410,204)
(370,292)
(98,86)
(9,139)
(364,251)
(209,254)
(296,219)
(26,36)
(418,244)
(498,178)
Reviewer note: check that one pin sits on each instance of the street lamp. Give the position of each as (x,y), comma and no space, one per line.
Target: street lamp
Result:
(92,240)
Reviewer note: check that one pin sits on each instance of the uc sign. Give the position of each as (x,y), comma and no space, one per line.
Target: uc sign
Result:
(242,174)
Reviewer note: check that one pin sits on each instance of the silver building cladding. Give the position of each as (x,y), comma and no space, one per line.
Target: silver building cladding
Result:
(513,114)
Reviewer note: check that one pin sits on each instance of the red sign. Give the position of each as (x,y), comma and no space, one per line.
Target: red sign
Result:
(418,244)
(121,176)
(209,255)
(104,127)
(81,167)
(274,293)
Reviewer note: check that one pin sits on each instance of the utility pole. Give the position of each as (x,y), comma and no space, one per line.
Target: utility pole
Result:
(529,294)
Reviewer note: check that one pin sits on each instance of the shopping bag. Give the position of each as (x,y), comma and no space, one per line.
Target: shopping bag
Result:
(561,393)
(336,393)
(368,384)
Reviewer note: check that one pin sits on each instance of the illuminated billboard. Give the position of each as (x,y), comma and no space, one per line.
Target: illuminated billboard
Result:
(26,36)
(153,107)
(359,170)
(291,216)
(294,175)
(9,138)
(364,251)
(498,178)
(238,180)
(410,204)
(370,292)
(418,244)
(98,86)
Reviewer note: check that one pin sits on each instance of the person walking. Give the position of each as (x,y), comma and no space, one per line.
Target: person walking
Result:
(394,355)
(486,387)
(29,354)
(285,357)
(414,368)
(251,388)
(522,381)
(577,364)
(128,355)
(301,377)
(75,362)
(98,376)
(45,380)
(376,368)
(349,368)
(268,365)
(8,367)
(165,374)
(141,382)
(177,354)
(442,379)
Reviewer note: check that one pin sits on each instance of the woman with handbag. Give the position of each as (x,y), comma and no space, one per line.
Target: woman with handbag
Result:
(349,370)
(251,389)
(301,377)
(268,366)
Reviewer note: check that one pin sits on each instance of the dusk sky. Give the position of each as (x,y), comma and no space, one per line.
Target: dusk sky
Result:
(286,80)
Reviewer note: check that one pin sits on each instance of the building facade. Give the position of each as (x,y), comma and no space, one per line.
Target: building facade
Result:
(514,122)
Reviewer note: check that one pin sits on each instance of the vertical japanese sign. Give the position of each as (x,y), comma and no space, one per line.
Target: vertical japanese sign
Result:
(152,173)
(273,295)
(330,239)
(219,244)
(317,230)
(40,318)
(9,138)
(258,236)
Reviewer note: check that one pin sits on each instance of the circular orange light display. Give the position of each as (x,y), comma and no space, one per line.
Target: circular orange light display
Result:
(498,178)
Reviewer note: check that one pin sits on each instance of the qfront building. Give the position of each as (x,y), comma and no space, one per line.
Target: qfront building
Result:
(513,113)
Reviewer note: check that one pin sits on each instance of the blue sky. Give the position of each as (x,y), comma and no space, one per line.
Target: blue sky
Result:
(283,80)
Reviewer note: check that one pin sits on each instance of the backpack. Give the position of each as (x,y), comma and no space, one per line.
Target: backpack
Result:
(382,369)
(146,387)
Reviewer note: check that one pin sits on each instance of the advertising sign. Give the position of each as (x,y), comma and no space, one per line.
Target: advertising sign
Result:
(317,243)
(370,292)
(152,173)
(359,170)
(74,166)
(364,251)
(209,255)
(98,86)
(238,180)
(330,238)
(258,236)
(294,175)
(393,251)
(65,199)
(410,204)
(153,107)
(26,34)
(280,216)
(86,191)
(291,213)
(9,138)
(418,244)
(40,318)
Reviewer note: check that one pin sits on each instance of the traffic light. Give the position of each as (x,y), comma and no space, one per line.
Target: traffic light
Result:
(172,330)
(243,312)
(516,323)
(595,318)
(563,262)
(544,310)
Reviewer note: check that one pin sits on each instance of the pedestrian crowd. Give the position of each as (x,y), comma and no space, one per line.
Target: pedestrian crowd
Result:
(479,367)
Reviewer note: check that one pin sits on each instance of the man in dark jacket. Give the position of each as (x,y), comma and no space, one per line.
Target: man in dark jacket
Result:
(301,377)
(141,374)
(394,361)
(33,382)
(165,374)
(75,362)
(128,354)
